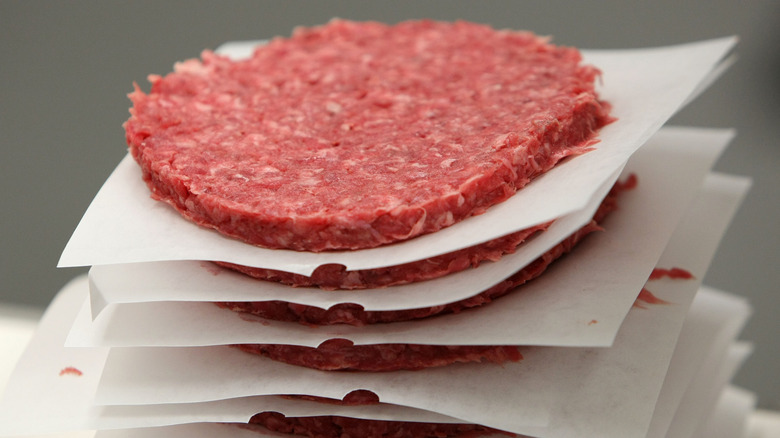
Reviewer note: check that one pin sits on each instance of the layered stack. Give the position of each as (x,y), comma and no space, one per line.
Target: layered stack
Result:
(388,231)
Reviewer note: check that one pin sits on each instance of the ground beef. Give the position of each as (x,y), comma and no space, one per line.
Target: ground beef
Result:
(345,427)
(342,355)
(355,315)
(357,397)
(353,135)
(675,273)
(331,277)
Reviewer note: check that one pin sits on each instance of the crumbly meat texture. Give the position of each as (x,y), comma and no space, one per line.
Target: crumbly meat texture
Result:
(342,355)
(355,315)
(358,134)
(357,397)
(333,277)
(345,427)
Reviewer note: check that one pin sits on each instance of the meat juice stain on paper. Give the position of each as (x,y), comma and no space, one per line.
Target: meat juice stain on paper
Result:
(71,371)
(645,296)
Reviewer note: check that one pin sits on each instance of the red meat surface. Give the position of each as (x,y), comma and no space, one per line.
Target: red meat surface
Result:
(331,277)
(354,398)
(345,427)
(356,315)
(341,355)
(353,135)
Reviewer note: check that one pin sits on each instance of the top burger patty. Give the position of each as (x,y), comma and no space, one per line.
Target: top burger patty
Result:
(353,135)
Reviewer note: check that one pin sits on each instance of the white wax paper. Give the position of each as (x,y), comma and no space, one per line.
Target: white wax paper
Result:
(597,379)
(698,323)
(36,391)
(645,87)
(626,375)
(730,417)
(18,412)
(597,282)
(69,405)
(721,317)
(728,420)
(686,153)
(620,404)
(37,370)
(599,391)
(185,280)
(39,389)
(702,393)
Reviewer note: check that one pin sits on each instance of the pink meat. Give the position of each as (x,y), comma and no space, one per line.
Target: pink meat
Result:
(353,398)
(331,277)
(341,355)
(354,135)
(356,315)
(345,427)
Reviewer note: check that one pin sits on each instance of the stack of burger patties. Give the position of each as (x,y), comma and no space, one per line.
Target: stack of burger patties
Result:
(425,229)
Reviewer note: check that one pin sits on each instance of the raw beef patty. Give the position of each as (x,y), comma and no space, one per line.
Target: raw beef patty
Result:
(358,134)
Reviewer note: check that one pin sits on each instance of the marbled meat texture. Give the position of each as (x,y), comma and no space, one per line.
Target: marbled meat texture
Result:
(334,276)
(358,134)
(342,355)
(355,315)
(345,427)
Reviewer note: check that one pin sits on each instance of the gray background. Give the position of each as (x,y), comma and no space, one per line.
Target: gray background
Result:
(65,68)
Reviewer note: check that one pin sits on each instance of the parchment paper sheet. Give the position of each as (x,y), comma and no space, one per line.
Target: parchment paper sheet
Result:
(721,318)
(598,281)
(556,391)
(730,416)
(645,87)
(579,388)
(684,154)
(702,394)
(71,409)
(610,374)
(40,390)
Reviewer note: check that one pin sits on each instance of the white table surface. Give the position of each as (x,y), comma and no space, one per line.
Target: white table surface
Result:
(17,326)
